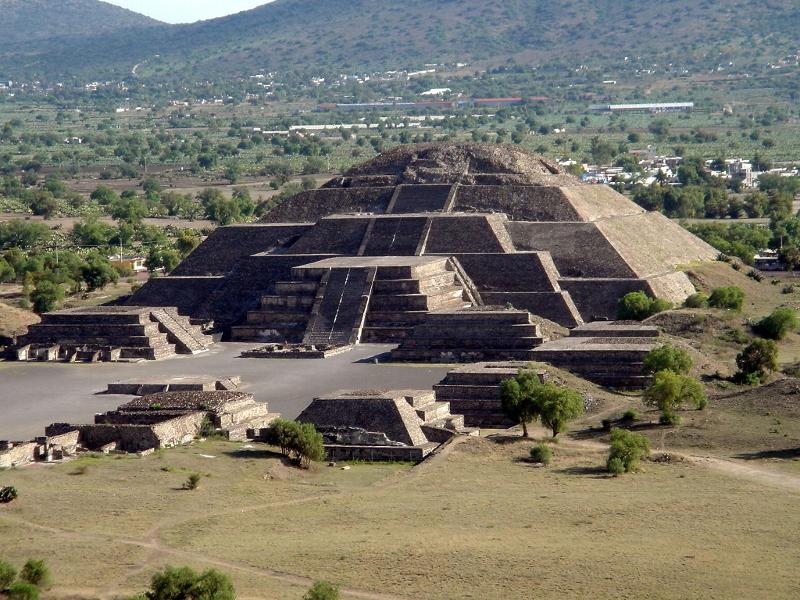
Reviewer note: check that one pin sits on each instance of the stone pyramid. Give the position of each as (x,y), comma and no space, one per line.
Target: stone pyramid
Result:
(512,228)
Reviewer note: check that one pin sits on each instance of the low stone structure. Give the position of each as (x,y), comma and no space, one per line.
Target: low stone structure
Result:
(46,449)
(474,391)
(471,335)
(111,333)
(383,425)
(142,387)
(296,351)
(607,353)
(168,419)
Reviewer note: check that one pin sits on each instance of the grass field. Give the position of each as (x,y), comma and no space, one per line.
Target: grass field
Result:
(473,522)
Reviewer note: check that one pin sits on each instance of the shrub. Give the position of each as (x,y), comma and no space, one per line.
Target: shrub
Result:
(322,590)
(697,300)
(22,591)
(541,453)
(629,416)
(756,275)
(179,583)
(615,466)
(36,573)
(7,494)
(788,289)
(667,358)
(755,360)
(776,325)
(670,391)
(627,449)
(207,428)
(637,306)
(731,298)
(7,575)
(193,482)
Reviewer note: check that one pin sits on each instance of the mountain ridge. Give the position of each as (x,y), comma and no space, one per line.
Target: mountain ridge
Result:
(358,35)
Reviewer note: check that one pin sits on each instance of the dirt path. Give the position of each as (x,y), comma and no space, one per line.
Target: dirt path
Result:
(744,470)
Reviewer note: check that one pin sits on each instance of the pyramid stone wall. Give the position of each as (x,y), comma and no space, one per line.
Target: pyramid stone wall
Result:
(223,249)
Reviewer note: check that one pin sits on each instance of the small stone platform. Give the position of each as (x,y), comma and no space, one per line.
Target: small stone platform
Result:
(474,391)
(168,419)
(142,387)
(295,351)
(110,334)
(614,361)
(383,425)
(471,335)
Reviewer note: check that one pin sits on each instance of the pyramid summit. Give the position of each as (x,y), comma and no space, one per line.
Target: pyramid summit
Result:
(433,227)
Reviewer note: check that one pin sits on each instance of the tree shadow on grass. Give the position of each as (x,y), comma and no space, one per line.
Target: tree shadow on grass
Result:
(260,453)
(595,472)
(591,433)
(786,454)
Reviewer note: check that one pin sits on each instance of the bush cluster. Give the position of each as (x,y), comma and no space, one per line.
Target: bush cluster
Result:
(627,449)
(637,306)
(183,583)
(777,324)
(322,590)
(299,441)
(667,358)
(541,453)
(729,298)
(8,494)
(755,361)
(26,585)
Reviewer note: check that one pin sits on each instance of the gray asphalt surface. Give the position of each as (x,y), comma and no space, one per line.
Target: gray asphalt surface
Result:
(33,395)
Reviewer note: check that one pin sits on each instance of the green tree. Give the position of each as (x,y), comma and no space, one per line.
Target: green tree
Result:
(21,235)
(46,296)
(627,449)
(43,203)
(322,590)
(104,195)
(98,272)
(669,391)
(520,400)
(774,326)
(558,406)
(187,241)
(232,171)
(756,359)
(667,358)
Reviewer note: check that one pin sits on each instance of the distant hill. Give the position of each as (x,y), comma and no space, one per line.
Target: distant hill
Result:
(364,34)
(29,22)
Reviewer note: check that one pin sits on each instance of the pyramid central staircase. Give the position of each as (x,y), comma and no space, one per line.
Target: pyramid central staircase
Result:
(342,301)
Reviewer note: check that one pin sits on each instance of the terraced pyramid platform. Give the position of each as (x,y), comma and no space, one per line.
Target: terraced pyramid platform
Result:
(516,229)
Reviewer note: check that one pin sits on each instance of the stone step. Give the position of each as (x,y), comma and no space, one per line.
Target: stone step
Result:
(273,302)
(476,343)
(465,355)
(383,318)
(453,422)
(448,392)
(416,286)
(384,335)
(297,287)
(282,332)
(420,398)
(432,411)
(261,317)
(450,297)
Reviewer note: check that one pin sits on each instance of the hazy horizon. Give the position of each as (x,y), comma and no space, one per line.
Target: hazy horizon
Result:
(187,11)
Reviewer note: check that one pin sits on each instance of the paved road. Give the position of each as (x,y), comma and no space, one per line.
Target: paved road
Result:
(33,395)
